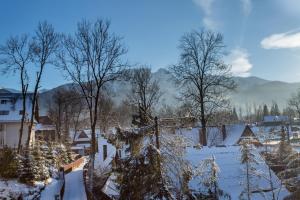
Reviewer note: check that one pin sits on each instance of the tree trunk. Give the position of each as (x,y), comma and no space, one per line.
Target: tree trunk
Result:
(22,119)
(37,84)
(248,182)
(203,139)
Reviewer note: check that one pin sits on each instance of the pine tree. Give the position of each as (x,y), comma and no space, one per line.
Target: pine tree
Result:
(284,149)
(274,109)
(235,115)
(266,110)
(208,170)
(40,164)
(248,159)
(27,170)
(51,158)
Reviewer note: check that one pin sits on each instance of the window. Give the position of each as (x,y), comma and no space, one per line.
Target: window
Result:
(104,152)
(4,112)
(3,101)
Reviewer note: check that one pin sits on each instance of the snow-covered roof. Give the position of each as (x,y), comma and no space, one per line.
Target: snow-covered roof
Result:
(214,134)
(276,118)
(43,127)
(232,171)
(233,133)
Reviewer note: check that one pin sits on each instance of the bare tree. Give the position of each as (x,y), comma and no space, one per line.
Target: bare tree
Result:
(92,58)
(145,93)
(106,111)
(205,77)
(45,44)
(294,102)
(15,55)
(64,109)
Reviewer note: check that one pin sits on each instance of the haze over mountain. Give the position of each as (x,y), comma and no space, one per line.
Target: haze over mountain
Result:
(250,90)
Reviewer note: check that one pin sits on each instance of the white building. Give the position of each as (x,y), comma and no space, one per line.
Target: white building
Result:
(10,118)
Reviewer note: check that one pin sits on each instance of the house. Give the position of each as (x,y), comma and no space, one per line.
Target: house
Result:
(249,135)
(82,142)
(11,110)
(275,120)
(45,129)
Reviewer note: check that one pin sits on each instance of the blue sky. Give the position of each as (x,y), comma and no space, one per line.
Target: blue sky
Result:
(262,37)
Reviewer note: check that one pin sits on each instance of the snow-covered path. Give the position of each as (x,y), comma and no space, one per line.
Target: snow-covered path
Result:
(74,185)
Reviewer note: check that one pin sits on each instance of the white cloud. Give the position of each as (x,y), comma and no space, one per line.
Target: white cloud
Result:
(239,61)
(206,7)
(282,41)
(210,23)
(247,6)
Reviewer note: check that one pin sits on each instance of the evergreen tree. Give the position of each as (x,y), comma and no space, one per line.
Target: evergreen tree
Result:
(40,164)
(274,109)
(64,155)
(208,170)
(266,110)
(248,159)
(51,157)
(284,148)
(27,169)
(235,115)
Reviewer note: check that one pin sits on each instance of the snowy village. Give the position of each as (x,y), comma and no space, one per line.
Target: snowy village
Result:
(144,100)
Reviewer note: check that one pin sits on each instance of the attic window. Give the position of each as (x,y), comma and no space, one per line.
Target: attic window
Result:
(4,101)
(4,112)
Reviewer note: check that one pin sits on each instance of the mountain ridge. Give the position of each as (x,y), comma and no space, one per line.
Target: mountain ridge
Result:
(250,90)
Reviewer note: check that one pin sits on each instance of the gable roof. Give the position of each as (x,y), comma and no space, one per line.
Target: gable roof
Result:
(233,133)
(248,133)
(82,134)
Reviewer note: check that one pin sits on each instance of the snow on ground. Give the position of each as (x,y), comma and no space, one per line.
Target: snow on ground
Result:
(110,188)
(12,189)
(297,149)
(232,173)
(74,185)
(52,189)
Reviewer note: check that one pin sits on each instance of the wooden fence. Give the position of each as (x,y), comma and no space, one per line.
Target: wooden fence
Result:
(69,167)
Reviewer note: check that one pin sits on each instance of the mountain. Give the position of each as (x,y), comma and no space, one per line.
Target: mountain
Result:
(250,90)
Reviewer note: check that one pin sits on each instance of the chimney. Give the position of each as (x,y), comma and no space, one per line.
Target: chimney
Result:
(224,132)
